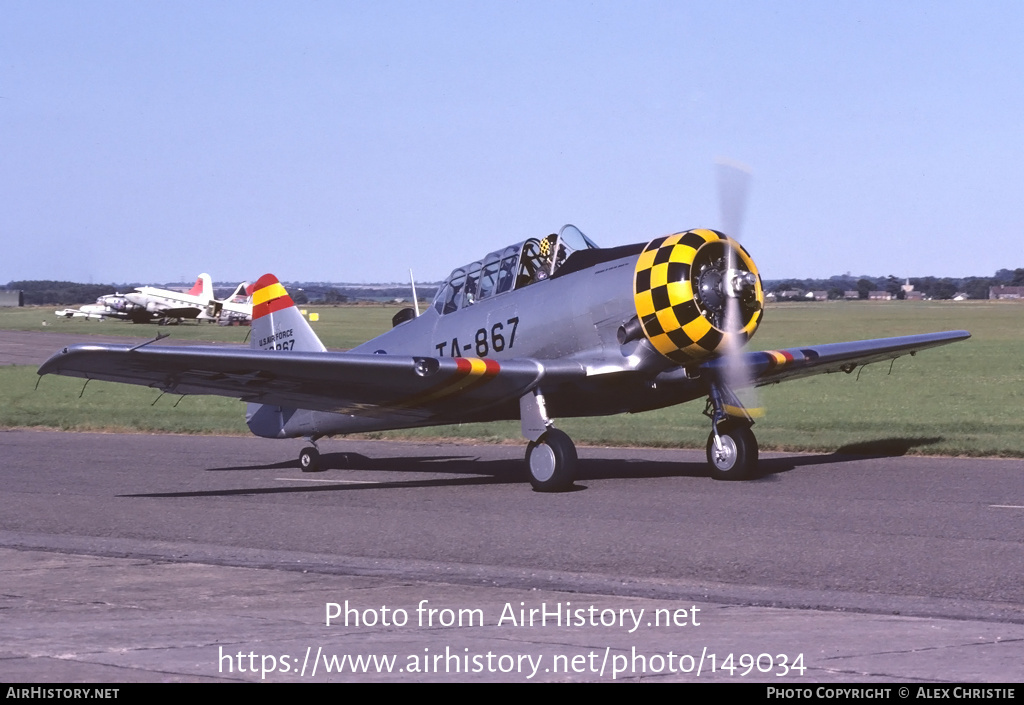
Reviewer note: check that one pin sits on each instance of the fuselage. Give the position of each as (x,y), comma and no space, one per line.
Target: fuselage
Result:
(611,313)
(186,305)
(572,318)
(575,316)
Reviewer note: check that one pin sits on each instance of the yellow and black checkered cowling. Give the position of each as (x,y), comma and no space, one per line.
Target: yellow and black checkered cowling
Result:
(668,298)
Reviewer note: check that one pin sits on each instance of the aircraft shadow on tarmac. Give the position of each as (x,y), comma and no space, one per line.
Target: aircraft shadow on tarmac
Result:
(511,470)
(475,471)
(865,450)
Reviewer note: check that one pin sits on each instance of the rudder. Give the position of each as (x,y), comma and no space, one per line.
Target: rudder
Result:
(276,323)
(203,287)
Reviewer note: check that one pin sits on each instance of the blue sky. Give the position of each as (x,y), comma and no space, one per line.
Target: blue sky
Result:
(350,141)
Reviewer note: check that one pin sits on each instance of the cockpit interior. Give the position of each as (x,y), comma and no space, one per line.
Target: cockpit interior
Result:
(514,267)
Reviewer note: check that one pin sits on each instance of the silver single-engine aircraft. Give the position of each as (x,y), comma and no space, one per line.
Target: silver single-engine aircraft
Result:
(546,328)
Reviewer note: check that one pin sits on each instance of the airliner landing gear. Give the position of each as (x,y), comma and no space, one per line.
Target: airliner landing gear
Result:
(551,455)
(309,458)
(552,461)
(732,452)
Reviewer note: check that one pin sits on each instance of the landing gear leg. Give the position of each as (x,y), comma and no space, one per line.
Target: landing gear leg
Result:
(551,454)
(731,447)
(309,458)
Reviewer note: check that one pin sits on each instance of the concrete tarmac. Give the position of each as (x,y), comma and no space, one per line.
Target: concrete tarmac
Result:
(85,618)
(172,558)
(33,348)
(195,559)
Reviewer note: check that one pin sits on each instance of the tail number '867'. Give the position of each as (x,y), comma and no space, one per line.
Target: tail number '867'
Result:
(499,337)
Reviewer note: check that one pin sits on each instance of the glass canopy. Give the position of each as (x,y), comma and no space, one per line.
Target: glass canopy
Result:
(514,267)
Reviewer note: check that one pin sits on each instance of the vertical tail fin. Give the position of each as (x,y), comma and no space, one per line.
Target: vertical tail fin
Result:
(276,323)
(203,287)
(241,292)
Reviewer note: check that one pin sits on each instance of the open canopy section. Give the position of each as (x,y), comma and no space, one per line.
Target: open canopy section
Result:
(511,268)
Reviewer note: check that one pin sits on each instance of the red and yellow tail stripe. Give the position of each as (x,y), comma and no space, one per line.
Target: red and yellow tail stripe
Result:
(269,297)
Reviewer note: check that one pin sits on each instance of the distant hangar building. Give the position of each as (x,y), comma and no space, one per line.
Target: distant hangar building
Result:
(1006,292)
(12,297)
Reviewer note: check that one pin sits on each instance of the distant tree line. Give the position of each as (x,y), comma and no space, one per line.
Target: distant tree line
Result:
(334,294)
(48,292)
(60,293)
(931,287)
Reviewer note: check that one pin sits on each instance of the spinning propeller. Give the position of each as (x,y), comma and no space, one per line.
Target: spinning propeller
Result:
(737,289)
(698,299)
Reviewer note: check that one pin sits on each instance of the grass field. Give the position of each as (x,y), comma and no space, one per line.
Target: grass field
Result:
(962,399)
(340,327)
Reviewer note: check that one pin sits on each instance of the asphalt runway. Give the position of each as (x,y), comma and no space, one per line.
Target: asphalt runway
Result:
(142,557)
(173,558)
(33,348)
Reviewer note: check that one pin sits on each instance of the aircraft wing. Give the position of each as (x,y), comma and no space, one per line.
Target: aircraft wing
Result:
(181,312)
(413,387)
(419,387)
(770,366)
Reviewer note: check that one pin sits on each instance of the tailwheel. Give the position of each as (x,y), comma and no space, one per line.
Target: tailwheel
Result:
(734,455)
(552,461)
(309,460)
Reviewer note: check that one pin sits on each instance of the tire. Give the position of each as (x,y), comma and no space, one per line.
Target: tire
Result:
(551,461)
(309,460)
(738,458)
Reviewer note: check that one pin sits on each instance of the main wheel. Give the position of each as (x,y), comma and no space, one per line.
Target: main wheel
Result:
(552,461)
(737,458)
(309,460)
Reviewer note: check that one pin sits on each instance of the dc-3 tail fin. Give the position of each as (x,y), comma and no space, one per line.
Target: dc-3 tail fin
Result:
(203,287)
(276,323)
(241,292)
